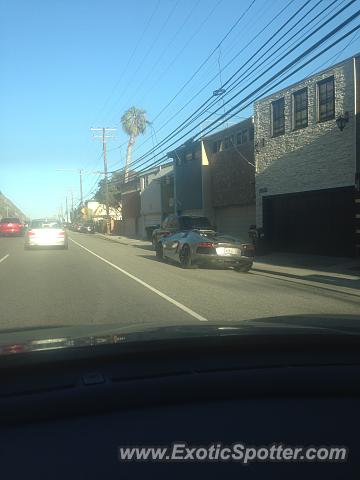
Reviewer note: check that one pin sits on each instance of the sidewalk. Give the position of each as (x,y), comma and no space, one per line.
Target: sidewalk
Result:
(283,261)
(280,262)
(329,273)
(124,240)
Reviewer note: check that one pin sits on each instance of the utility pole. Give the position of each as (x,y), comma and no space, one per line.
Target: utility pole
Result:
(104,138)
(81,187)
(80,171)
(67,209)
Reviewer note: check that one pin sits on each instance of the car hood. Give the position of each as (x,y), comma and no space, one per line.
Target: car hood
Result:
(64,336)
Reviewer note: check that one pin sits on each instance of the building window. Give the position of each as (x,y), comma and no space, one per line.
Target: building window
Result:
(216,146)
(228,142)
(326,99)
(239,138)
(300,105)
(278,117)
(189,157)
(244,136)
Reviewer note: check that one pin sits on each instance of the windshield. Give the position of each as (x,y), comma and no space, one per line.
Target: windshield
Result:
(44,224)
(172,165)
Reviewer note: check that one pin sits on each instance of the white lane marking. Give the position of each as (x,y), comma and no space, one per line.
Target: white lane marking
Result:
(4,258)
(146,285)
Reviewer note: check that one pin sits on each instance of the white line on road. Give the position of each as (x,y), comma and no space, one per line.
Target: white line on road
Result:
(4,258)
(146,285)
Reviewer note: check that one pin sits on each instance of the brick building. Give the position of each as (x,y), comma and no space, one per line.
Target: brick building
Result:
(307,163)
(230,153)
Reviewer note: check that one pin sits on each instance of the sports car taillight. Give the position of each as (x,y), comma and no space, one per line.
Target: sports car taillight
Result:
(30,233)
(248,247)
(206,244)
(61,234)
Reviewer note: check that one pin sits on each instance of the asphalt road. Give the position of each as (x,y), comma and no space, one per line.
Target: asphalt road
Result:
(100,282)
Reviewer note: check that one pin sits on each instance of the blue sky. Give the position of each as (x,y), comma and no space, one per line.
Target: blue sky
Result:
(72,64)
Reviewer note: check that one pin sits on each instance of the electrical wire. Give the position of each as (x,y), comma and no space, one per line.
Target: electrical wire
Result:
(209,82)
(130,58)
(255,37)
(274,77)
(183,125)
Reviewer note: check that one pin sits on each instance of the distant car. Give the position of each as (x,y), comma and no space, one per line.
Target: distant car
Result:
(11,227)
(42,234)
(179,223)
(88,227)
(75,227)
(206,247)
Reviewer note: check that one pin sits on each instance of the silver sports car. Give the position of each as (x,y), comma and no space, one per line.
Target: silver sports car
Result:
(206,247)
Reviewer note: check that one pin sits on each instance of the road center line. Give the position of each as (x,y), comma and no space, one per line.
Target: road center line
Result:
(4,258)
(146,285)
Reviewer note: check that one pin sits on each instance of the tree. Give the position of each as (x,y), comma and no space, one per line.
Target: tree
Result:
(134,123)
(114,194)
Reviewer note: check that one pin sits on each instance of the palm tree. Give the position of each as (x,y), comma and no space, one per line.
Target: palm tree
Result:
(134,123)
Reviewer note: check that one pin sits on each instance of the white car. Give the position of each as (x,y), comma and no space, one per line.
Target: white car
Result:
(45,234)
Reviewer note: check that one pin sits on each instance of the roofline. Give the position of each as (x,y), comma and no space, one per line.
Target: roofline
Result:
(208,137)
(154,169)
(232,127)
(335,65)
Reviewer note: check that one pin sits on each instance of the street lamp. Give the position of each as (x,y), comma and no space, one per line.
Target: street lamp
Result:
(342,121)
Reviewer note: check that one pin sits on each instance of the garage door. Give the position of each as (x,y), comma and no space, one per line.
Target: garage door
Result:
(317,222)
(153,219)
(235,220)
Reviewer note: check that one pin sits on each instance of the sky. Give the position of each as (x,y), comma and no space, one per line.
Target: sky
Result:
(69,65)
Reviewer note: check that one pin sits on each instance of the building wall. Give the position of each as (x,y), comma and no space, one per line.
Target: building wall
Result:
(188,179)
(357,120)
(167,195)
(130,212)
(318,156)
(235,220)
(232,178)
(150,198)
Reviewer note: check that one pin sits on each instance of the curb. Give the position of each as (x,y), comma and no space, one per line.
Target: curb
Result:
(114,239)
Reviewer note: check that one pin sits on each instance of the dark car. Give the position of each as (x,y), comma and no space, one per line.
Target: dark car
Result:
(179,223)
(206,247)
(11,227)
(88,227)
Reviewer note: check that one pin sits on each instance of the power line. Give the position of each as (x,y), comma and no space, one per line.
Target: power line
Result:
(206,59)
(336,42)
(131,57)
(189,40)
(222,119)
(185,124)
(187,18)
(208,83)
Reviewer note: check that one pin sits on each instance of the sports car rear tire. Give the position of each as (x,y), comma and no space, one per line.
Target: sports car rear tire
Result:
(185,257)
(243,268)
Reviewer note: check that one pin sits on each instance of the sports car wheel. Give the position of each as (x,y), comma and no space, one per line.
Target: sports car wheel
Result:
(243,268)
(185,257)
